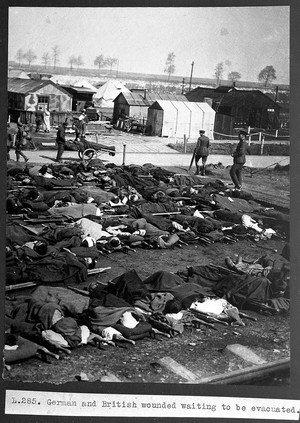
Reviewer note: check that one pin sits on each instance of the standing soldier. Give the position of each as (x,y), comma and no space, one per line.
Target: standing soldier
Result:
(61,141)
(82,122)
(239,159)
(39,119)
(20,142)
(201,152)
(10,140)
(28,130)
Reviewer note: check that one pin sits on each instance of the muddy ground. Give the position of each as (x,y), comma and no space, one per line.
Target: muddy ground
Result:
(200,350)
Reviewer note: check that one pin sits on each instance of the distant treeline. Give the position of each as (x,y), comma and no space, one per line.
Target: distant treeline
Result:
(106,73)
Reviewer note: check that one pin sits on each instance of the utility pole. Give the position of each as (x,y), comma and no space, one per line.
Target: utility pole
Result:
(117,68)
(191,76)
(183,85)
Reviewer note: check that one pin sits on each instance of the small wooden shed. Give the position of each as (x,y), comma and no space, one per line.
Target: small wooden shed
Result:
(82,96)
(136,104)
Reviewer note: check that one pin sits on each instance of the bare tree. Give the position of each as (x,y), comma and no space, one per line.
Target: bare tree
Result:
(19,56)
(234,76)
(267,75)
(100,61)
(110,61)
(79,61)
(219,70)
(72,61)
(46,59)
(55,55)
(170,65)
(30,56)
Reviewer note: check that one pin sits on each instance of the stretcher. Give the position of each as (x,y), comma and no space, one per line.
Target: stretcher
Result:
(88,150)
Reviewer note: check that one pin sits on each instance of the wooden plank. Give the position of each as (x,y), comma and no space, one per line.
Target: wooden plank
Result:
(248,374)
(245,353)
(110,377)
(177,368)
(98,270)
(20,286)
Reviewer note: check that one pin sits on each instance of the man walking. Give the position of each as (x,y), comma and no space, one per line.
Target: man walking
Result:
(19,144)
(201,152)
(82,121)
(239,159)
(39,119)
(10,140)
(61,141)
(28,130)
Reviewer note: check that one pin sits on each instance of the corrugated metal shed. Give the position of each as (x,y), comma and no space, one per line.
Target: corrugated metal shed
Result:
(137,99)
(79,90)
(137,104)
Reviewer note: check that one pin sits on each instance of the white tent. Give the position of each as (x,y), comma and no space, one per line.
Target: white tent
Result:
(178,118)
(15,73)
(83,83)
(106,94)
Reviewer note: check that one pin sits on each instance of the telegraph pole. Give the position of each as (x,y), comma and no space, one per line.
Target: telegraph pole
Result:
(183,85)
(191,76)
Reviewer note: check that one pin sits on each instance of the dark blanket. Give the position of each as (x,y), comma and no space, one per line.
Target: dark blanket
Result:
(26,349)
(32,316)
(206,276)
(242,290)
(142,330)
(162,281)
(58,266)
(102,317)
(128,286)
(69,329)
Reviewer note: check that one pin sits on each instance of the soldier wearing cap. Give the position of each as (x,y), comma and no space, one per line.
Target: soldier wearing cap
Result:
(201,152)
(61,141)
(239,159)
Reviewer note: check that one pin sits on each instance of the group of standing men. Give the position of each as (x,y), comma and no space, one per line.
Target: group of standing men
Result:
(23,136)
(42,120)
(201,151)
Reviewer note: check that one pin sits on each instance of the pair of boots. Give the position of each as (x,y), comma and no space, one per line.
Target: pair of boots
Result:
(198,171)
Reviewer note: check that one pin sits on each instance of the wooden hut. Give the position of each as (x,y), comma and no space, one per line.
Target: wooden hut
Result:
(25,96)
(82,96)
(236,108)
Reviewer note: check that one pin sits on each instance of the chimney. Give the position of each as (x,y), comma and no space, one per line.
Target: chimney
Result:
(208,100)
(145,93)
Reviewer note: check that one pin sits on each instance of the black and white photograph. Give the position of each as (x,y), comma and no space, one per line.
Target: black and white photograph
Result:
(147,207)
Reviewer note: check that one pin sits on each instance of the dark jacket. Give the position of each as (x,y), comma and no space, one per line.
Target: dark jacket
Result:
(61,135)
(239,156)
(19,138)
(202,146)
(10,138)
(39,116)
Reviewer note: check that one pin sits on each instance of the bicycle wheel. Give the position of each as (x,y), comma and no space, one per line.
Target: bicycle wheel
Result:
(88,154)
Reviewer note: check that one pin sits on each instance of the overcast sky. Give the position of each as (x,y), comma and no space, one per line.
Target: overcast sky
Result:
(245,39)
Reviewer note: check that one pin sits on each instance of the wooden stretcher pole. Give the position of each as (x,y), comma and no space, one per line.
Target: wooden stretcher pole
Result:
(192,160)
(124,154)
